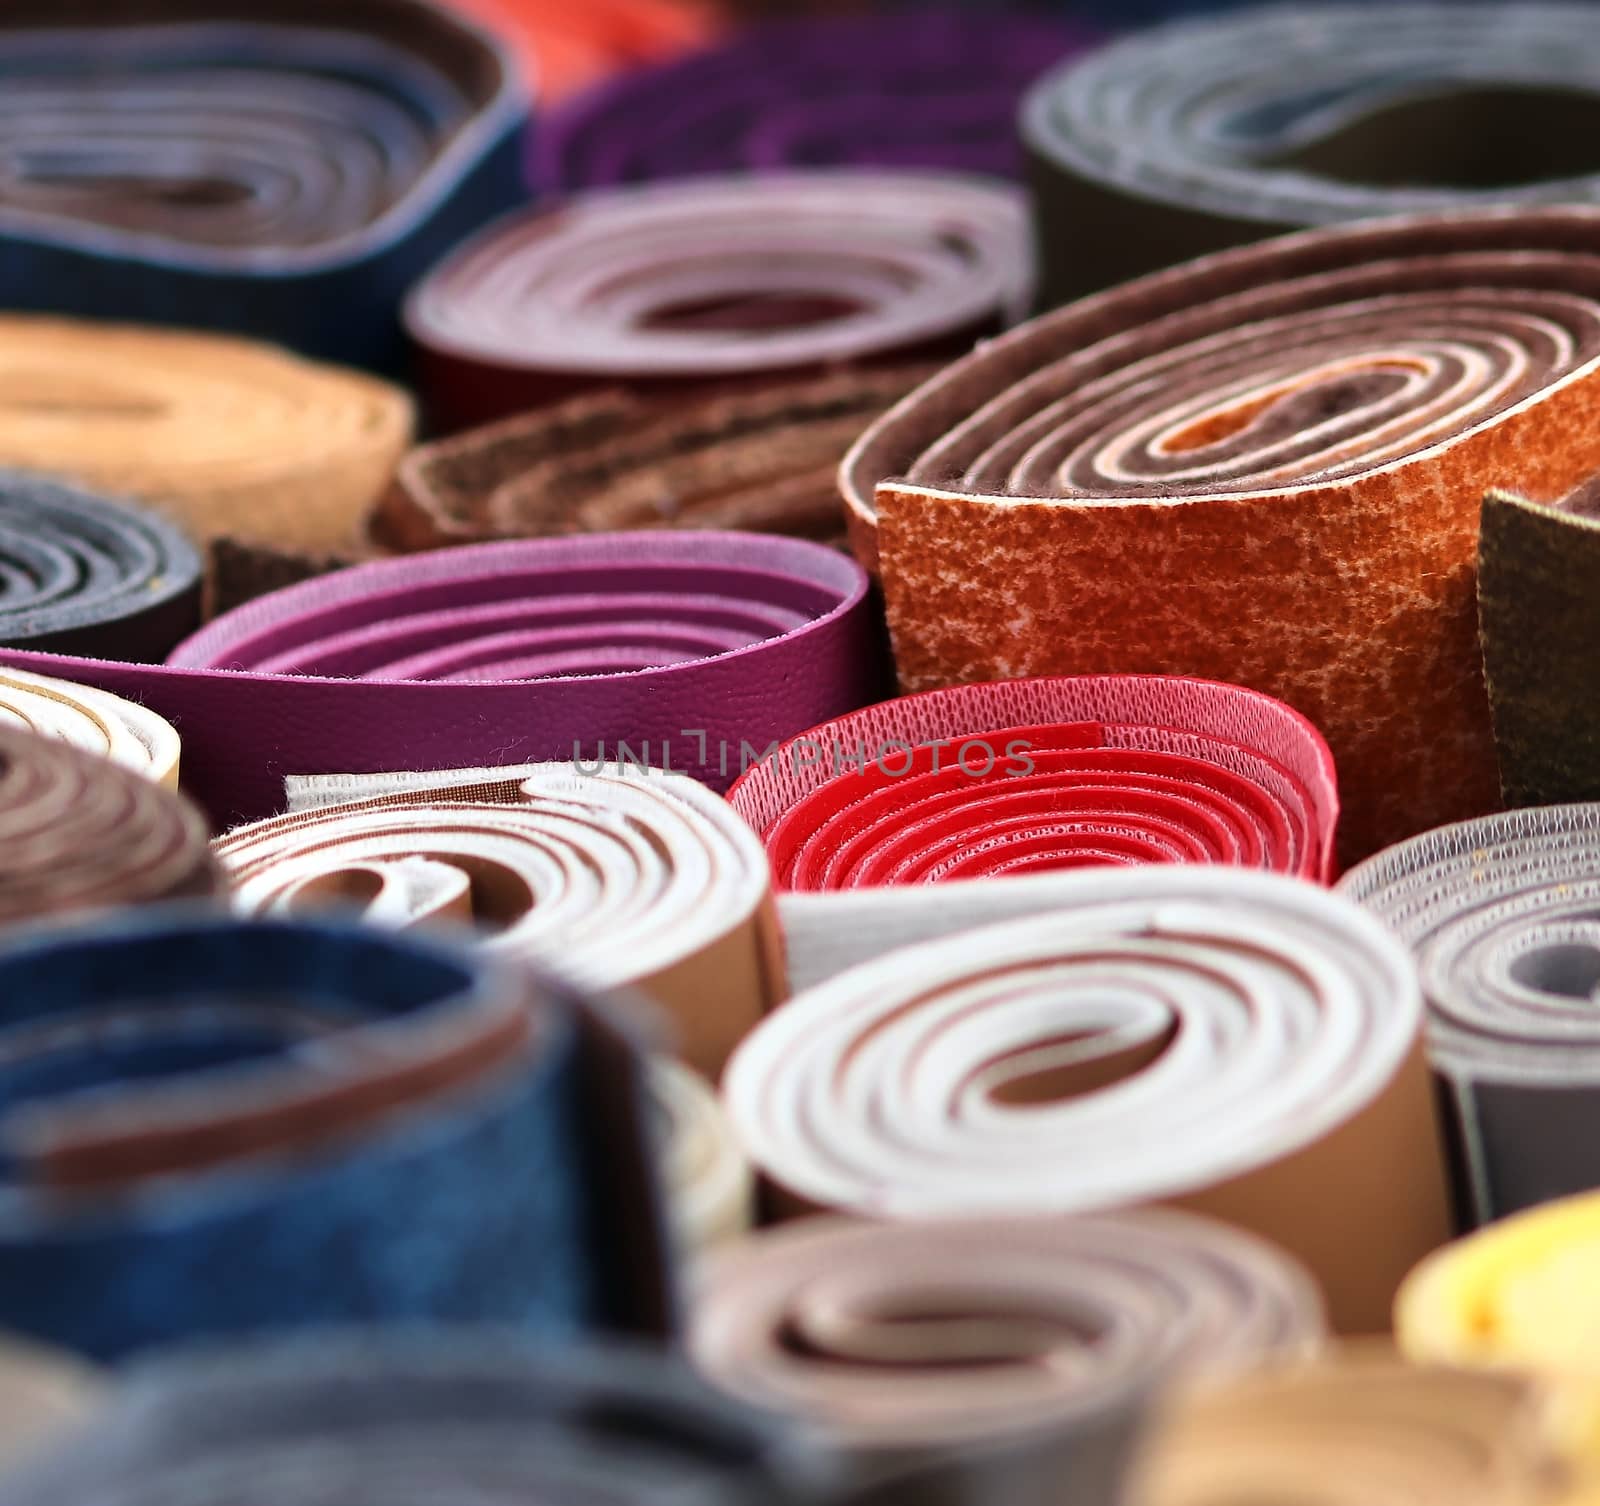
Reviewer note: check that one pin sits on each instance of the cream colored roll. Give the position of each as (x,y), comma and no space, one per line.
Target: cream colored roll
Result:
(93,720)
(1235,1043)
(710,1186)
(41,1391)
(618,878)
(1360,1428)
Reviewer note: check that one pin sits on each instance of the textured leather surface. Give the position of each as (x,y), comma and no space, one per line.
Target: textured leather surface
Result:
(1264,467)
(188,1129)
(1500,914)
(79,574)
(1238,1044)
(281,168)
(1029,775)
(82,832)
(679,647)
(937,89)
(620,878)
(1219,131)
(715,282)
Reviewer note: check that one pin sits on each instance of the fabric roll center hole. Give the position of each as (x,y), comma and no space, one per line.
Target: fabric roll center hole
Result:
(1568,969)
(1295,407)
(752,312)
(1075,1065)
(933,1329)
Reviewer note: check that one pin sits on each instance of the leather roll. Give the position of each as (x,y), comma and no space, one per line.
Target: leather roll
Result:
(930,89)
(277,168)
(223,436)
(766,460)
(43,1392)
(79,574)
(1359,1427)
(1499,914)
(80,831)
(1027,775)
(1220,131)
(920,1339)
(428,1416)
(1236,1044)
(620,878)
(711,1188)
(1537,615)
(125,733)
(654,648)
(1265,468)
(675,288)
(354,1126)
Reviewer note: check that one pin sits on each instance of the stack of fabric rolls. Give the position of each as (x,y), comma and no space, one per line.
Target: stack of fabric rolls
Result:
(820,760)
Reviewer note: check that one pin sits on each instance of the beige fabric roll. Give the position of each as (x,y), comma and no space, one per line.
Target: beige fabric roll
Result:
(41,1392)
(93,720)
(710,1186)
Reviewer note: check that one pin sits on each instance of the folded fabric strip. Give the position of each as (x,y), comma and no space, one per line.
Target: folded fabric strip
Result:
(1518,1296)
(622,877)
(1220,131)
(351,1126)
(710,1184)
(224,436)
(79,574)
(1500,914)
(1023,775)
(429,1416)
(43,1392)
(1356,1428)
(1539,616)
(715,282)
(928,89)
(766,460)
(661,648)
(918,1340)
(125,733)
(1237,1044)
(1265,467)
(281,168)
(83,831)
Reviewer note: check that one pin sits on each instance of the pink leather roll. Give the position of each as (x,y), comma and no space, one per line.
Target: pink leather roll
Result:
(664,649)
(1022,776)
(715,281)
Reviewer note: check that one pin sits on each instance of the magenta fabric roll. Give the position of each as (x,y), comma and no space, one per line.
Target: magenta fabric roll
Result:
(919,89)
(676,650)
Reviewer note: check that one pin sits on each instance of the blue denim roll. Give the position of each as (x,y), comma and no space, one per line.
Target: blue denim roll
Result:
(279,168)
(209,1127)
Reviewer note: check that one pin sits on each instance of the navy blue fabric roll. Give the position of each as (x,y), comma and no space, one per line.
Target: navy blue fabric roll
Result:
(211,1126)
(279,168)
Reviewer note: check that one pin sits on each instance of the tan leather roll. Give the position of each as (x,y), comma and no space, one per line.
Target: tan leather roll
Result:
(710,1186)
(1231,1043)
(41,1392)
(79,832)
(1356,1429)
(226,436)
(620,878)
(93,720)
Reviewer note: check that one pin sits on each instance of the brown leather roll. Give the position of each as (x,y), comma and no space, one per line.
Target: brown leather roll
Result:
(1265,467)
(79,832)
(765,460)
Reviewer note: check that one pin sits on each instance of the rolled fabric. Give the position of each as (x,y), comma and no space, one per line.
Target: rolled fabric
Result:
(913,1340)
(280,168)
(716,282)
(625,877)
(80,831)
(1359,1427)
(1231,1043)
(766,460)
(658,648)
(710,1186)
(1537,613)
(1219,131)
(1026,775)
(126,733)
(79,574)
(1499,914)
(427,1416)
(43,1392)
(928,89)
(224,436)
(1265,467)
(354,1126)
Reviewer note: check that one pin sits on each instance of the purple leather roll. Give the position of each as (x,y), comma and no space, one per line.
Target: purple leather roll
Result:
(923,89)
(690,652)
